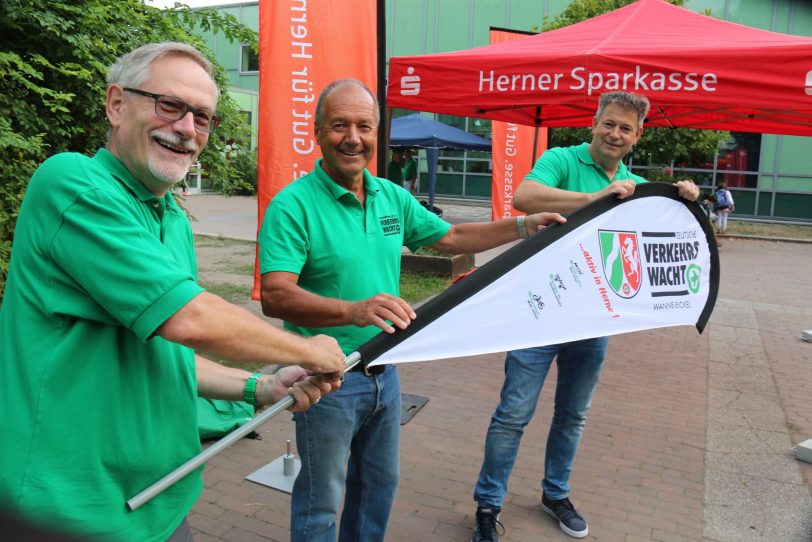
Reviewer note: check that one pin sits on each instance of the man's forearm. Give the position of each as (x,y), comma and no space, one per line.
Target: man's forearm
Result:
(210,324)
(283,298)
(474,237)
(307,309)
(534,197)
(215,381)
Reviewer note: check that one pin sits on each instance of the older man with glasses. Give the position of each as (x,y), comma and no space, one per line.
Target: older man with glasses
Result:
(103,314)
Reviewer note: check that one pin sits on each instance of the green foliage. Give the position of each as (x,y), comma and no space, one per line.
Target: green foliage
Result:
(658,145)
(415,287)
(428,251)
(581,10)
(54,56)
(678,145)
(237,174)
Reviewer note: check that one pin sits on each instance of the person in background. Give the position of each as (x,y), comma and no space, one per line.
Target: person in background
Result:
(409,171)
(329,252)
(102,318)
(394,171)
(562,180)
(723,207)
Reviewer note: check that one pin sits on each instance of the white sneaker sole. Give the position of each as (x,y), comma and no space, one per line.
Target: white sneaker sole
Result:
(567,530)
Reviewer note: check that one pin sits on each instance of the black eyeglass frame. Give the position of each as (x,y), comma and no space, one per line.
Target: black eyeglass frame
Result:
(214,120)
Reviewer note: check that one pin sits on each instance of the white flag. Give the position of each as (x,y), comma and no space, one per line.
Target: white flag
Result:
(616,266)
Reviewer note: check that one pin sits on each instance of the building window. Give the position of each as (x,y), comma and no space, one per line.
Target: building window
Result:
(249,60)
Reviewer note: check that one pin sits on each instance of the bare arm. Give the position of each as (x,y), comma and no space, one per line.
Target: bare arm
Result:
(531,196)
(211,324)
(478,236)
(216,381)
(282,297)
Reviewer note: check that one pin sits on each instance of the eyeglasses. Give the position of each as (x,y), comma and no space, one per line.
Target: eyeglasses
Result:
(172,109)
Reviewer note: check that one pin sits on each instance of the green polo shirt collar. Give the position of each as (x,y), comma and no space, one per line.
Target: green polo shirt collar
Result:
(583,154)
(120,172)
(371,183)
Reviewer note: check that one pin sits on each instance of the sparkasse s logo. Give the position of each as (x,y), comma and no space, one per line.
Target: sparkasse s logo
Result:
(410,84)
(809,83)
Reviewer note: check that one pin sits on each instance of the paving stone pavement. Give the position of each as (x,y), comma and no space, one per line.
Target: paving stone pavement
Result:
(689,437)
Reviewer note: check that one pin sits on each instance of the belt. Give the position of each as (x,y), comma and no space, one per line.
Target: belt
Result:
(368,371)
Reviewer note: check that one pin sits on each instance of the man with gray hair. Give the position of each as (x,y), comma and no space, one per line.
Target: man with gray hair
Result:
(329,254)
(563,180)
(102,318)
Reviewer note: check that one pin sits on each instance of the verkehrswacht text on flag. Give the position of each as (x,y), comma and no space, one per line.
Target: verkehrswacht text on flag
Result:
(615,266)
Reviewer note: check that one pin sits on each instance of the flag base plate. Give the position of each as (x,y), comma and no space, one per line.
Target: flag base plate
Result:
(273,475)
(410,405)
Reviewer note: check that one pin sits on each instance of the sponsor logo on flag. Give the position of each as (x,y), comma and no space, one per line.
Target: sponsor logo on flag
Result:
(620,255)
(693,276)
(536,304)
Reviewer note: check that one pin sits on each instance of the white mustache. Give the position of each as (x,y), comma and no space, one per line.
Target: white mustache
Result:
(177,141)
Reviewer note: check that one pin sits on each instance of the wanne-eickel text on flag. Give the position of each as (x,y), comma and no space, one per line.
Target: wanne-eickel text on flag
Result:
(615,266)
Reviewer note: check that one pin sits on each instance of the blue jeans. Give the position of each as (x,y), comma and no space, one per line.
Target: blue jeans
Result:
(352,435)
(579,366)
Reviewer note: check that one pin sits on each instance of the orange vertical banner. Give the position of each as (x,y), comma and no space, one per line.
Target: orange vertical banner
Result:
(303,46)
(512,151)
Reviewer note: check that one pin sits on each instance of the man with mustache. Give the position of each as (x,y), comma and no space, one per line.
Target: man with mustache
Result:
(562,180)
(102,318)
(330,248)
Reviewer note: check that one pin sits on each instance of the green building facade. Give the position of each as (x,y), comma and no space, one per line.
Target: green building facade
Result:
(770,176)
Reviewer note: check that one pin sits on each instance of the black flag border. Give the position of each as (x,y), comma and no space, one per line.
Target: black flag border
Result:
(488,273)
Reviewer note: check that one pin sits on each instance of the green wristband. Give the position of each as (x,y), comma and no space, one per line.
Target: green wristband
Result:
(521,227)
(249,394)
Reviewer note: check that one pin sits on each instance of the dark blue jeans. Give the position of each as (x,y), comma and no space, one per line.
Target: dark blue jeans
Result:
(579,365)
(352,435)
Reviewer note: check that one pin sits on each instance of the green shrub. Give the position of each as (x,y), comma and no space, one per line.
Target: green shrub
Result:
(54,56)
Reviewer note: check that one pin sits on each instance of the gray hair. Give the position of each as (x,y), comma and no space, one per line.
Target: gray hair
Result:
(132,69)
(335,85)
(628,101)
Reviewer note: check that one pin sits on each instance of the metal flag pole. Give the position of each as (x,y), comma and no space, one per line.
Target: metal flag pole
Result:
(143,497)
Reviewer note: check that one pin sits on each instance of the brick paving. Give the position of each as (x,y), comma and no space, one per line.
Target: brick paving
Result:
(688,439)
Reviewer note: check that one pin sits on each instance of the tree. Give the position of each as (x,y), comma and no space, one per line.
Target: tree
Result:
(658,145)
(53,61)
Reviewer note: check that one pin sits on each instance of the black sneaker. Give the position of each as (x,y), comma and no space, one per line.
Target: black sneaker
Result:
(487,524)
(568,517)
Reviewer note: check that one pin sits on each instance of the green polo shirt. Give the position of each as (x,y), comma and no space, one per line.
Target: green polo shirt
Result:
(95,407)
(573,169)
(394,172)
(318,230)
(410,169)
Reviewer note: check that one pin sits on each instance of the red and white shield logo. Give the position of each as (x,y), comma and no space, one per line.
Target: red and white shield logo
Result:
(620,254)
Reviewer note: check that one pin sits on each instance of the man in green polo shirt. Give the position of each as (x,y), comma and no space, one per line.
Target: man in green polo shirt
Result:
(330,248)
(409,171)
(394,171)
(562,180)
(102,315)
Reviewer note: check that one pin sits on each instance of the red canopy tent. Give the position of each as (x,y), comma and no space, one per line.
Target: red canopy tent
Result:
(697,71)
